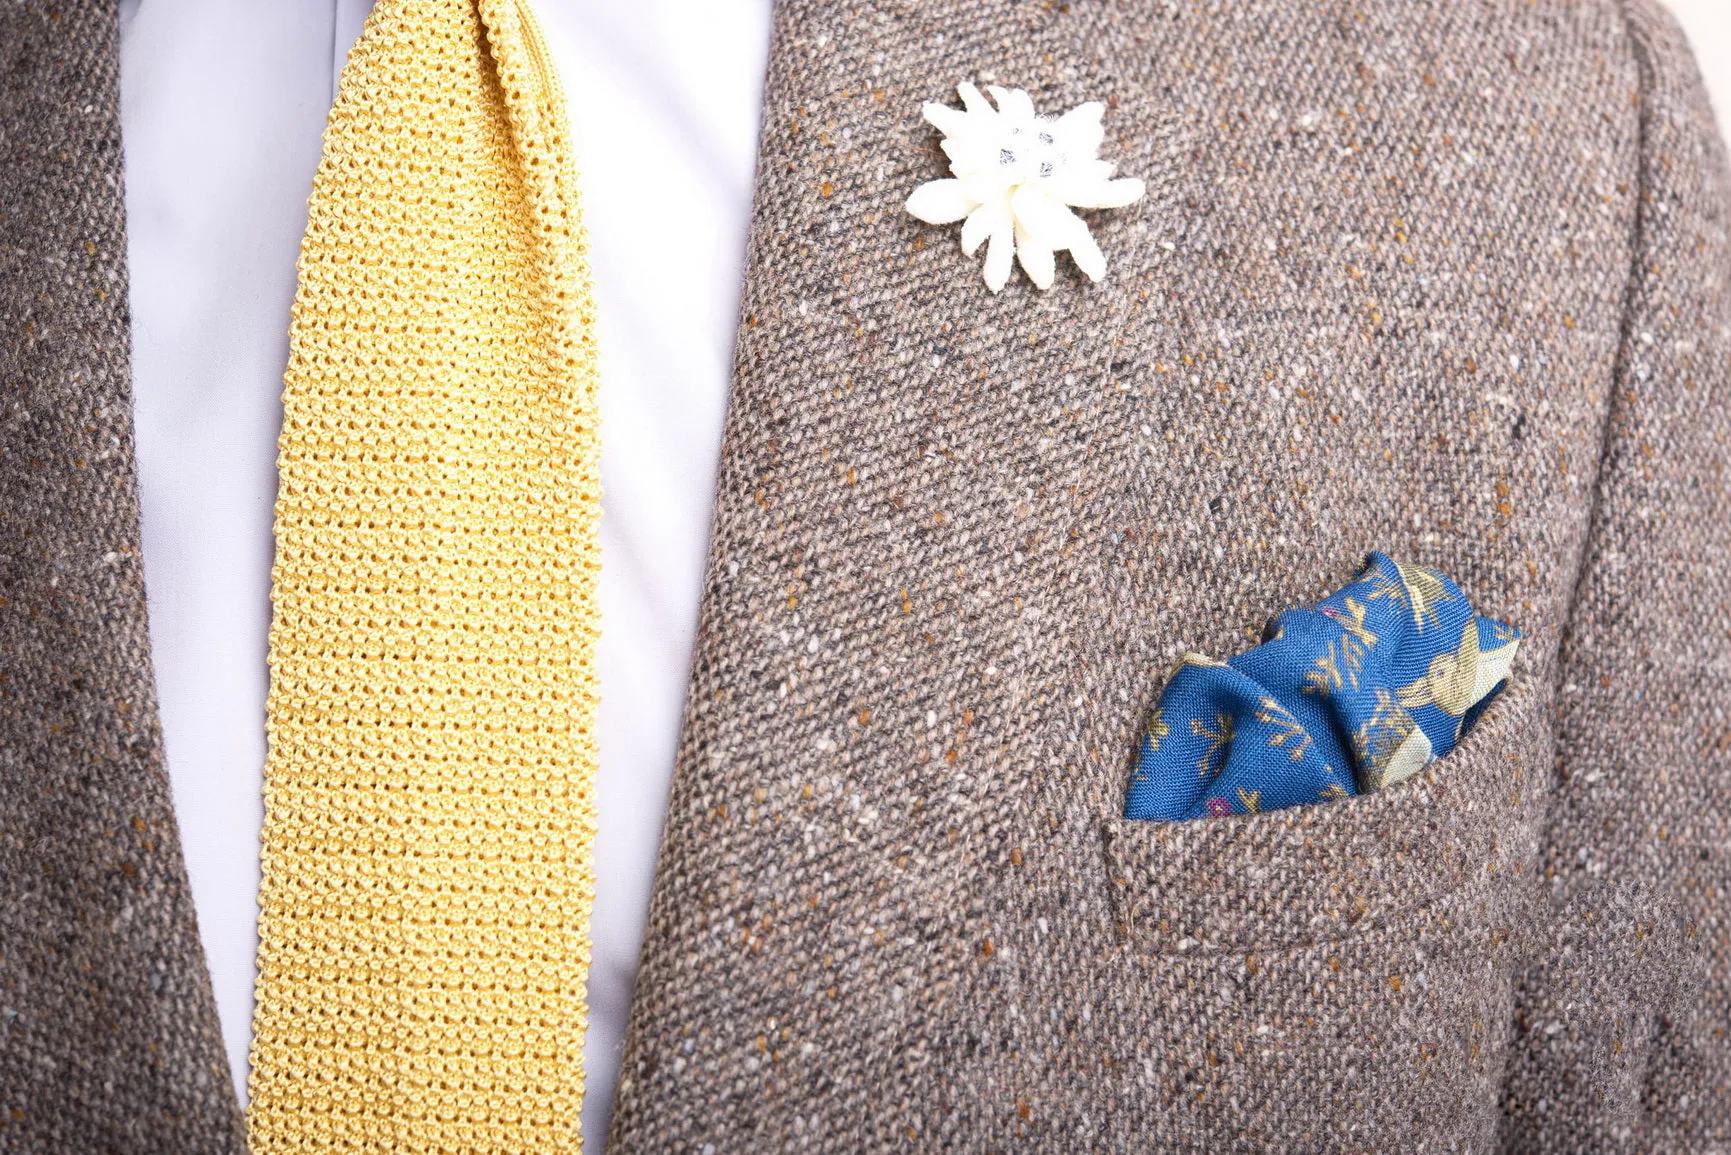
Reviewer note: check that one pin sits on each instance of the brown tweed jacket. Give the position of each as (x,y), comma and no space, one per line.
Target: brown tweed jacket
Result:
(1441,277)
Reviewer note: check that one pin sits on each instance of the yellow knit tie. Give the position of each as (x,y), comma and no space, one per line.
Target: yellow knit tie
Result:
(429,811)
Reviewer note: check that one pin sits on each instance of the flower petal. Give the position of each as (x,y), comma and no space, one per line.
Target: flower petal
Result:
(1095,171)
(1014,104)
(977,105)
(984,222)
(988,185)
(947,120)
(1085,251)
(1079,131)
(1037,260)
(1112,194)
(1046,221)
(941,202)
(1078,187)
(999,255)
(962,151)
(970,158)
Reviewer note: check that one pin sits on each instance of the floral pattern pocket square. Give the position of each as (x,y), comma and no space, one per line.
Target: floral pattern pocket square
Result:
(1351,695)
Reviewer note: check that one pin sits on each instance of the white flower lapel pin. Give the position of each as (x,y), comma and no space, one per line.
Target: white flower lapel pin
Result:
(1017,175)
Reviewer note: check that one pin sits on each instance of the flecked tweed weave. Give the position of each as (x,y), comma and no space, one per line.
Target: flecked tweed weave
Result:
(429,812)
(1469,256)
(1442,278)
(109,1039)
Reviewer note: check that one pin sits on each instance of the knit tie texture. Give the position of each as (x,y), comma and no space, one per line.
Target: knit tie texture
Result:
(429,807)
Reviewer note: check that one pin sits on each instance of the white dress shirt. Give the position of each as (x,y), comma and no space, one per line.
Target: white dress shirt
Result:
(223,106)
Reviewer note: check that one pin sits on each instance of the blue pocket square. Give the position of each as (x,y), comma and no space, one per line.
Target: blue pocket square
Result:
(1351,695)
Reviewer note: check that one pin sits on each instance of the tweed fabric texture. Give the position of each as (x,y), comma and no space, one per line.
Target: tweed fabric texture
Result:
(1437,278)
(1637,855)
(956,541)
(108,1030)
(429,807)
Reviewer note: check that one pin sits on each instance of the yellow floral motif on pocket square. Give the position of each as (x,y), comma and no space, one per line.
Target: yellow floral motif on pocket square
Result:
(1354,694)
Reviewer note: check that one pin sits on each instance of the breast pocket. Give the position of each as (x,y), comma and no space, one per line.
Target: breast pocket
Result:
(1340,975)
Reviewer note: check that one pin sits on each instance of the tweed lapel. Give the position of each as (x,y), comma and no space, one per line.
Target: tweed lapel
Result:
(109,1037)
(883,619)
(958,538)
